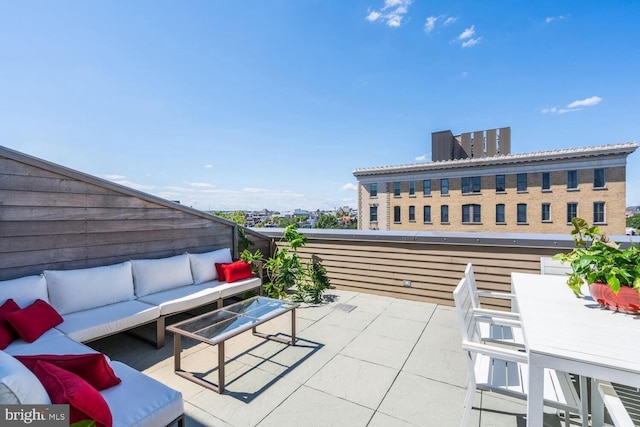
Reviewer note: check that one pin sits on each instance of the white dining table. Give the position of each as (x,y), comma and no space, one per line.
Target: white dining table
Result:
(572,334)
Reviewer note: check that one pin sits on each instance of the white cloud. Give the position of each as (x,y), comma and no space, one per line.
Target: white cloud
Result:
(450,20)
(471,42)
(201,184)
(122,180)
(551,19)
(587,102)
(467,33)
(574,106)
(421,158)
(349,187)
(114,177)
(430,23)
(464,74)
(208,166)
(391,13)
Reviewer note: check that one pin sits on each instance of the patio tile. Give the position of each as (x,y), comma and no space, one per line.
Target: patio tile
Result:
(384,420)
(439,364)
(313,408)
(196,417)
(411,310)
(313,312)
(355,380)
(250,395)
(355,319)
(424,402)
(394,327)
(332,337)
(442,337)
(385,351)
(370,303)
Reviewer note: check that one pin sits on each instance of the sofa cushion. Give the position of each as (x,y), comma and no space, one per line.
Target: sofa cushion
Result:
(101,321)
(18,385)
(141,401)
(181,299)
(51,342)
(203,265)
(237,271)
(156,275)
(85,288)
(24,290)
(64,387)
(229,289)
(34,320)
(91,367)
(7,333)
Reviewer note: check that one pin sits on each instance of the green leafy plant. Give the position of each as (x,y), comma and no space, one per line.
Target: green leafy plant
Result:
(289,276)
(596,258)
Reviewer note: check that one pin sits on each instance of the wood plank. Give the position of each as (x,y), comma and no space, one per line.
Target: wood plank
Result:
(51,185)
(14,213)
(13,167)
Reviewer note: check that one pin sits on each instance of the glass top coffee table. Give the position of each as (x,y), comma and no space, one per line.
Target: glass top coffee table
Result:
(217,326)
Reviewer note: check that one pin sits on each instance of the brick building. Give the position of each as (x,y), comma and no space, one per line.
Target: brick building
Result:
(470,190)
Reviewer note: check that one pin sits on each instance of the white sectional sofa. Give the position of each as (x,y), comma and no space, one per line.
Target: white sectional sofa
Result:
(100,301)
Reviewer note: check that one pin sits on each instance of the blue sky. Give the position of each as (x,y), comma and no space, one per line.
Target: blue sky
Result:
(274,103)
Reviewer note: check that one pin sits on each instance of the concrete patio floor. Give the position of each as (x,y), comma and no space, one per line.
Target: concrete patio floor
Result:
(386,363)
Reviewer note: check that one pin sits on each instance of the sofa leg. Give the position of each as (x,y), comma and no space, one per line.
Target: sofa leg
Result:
(220,303)
(160,332)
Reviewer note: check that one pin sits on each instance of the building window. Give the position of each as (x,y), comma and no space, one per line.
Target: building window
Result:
(471,185)
(598,178)
(412,213)
(373,213)
(546,181)
(373,190)
(572,180)
(444,213)
(426,210)
(522,213)
(396,214)
(412,188)
(522,182)
(396,189)
(572,211)
(471,214)
(500,214)
(546,212)
(598,212)
(501,186)
(444,186)
(426,187)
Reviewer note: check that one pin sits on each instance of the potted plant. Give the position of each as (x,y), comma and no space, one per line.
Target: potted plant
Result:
(612,273)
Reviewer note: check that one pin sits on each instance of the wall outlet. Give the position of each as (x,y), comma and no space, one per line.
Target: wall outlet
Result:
(406,283)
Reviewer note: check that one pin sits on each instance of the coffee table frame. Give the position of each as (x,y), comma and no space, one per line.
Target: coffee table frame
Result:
(253,324)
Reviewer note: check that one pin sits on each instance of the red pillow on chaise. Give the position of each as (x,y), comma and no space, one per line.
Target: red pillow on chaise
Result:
(220,270)
(64,387)
(91,367)
(237,271)
(34,320)
(7,333)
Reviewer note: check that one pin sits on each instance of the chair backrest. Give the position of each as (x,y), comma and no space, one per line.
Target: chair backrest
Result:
(549,265)
(471,278)
(463,297)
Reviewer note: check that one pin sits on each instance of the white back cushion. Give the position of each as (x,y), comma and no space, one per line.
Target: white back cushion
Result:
(86,288)
(203,265)
(24,290)
(155,275)
(18,385)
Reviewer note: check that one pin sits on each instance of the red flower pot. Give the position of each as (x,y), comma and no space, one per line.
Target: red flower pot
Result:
(626,301)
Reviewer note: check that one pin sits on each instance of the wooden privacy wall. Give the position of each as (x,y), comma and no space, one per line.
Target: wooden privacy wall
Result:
(53,217)
(434,269)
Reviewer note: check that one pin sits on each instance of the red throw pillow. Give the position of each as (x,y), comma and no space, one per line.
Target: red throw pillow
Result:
(237,271)
(220,270)
(7,334)
(91,367)
(64,387)
(33,321)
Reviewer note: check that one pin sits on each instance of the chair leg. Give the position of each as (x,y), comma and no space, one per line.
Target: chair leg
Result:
(468,403)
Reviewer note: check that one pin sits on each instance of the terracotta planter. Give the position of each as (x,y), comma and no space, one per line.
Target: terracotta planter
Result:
(626,301)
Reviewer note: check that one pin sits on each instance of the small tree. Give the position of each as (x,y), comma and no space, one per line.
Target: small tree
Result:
(634,221)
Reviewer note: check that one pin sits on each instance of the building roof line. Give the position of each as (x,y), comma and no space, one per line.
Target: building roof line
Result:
(621,148)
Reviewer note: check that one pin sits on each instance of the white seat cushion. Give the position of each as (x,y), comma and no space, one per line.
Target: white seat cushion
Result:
(24,290)
(86,288)
(180,299)
(18,385)
(156,275)
(58,345)
(107,320)
(16,346)
(203,266)
(141,401)
(229,289)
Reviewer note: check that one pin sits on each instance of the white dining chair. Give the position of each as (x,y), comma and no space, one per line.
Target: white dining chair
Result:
(503,370)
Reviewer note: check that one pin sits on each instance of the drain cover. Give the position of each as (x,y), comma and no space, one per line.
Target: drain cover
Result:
(344,307)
